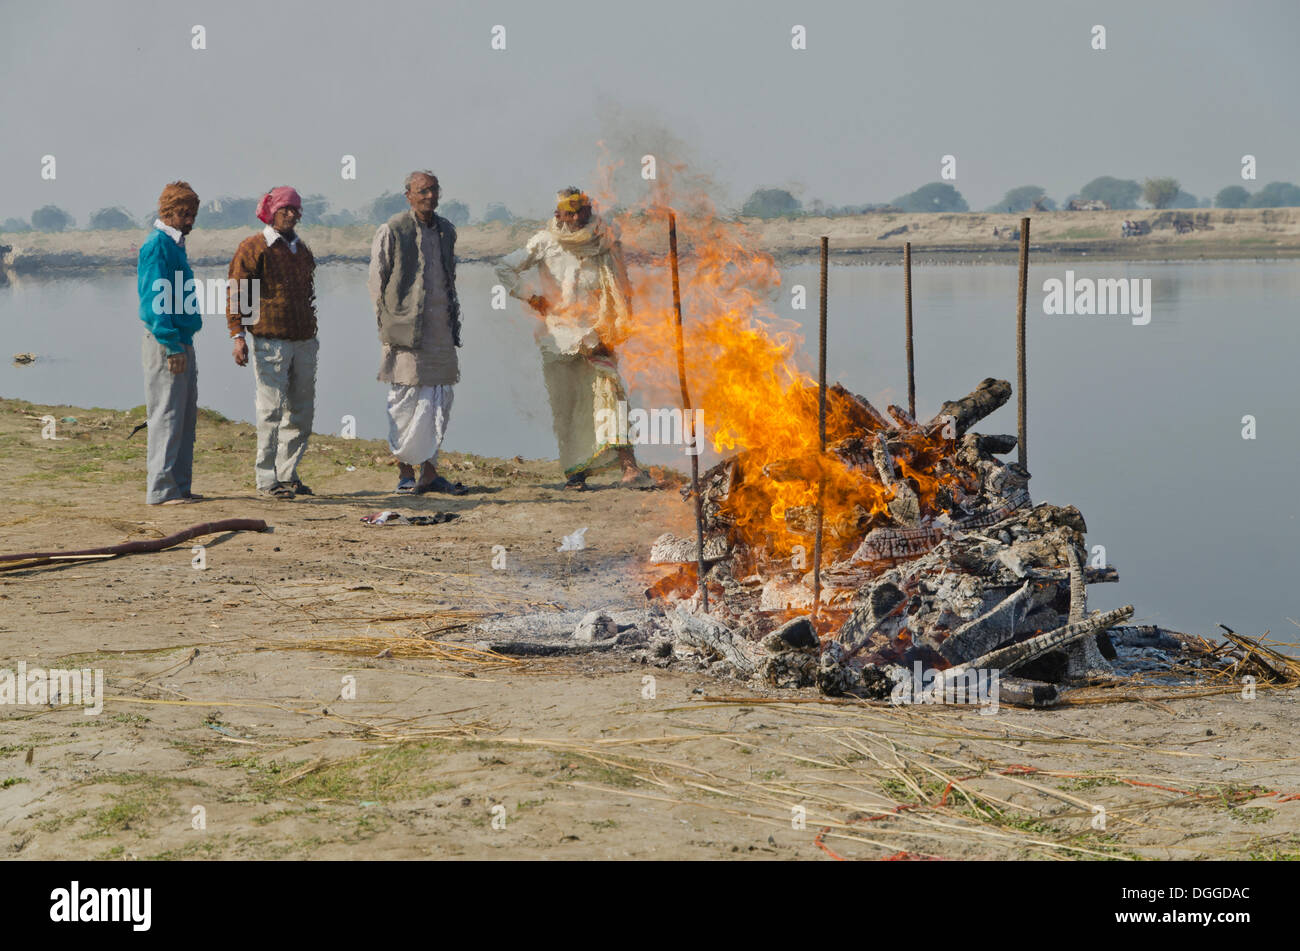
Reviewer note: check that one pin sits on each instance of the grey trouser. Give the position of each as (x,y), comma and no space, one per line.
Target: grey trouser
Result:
(172,407)
(285,373)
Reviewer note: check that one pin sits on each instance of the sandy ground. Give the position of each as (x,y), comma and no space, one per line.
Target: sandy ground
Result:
(959,238)
(226,731)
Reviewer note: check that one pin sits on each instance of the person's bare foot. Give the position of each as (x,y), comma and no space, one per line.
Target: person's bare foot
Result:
(634,477)
(637,479)
(431,481)
(428,476)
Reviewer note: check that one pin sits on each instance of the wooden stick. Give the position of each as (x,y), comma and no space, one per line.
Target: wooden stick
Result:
(821,432)
(686,412)
(134,548)
(1020,341)
(907,295)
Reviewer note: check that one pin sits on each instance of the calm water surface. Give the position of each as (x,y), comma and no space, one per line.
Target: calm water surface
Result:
(1140,427)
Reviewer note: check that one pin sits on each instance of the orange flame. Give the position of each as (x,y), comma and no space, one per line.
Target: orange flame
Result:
(742,368)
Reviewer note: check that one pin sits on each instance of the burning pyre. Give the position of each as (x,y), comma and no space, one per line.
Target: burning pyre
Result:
(932,551)
(933,554)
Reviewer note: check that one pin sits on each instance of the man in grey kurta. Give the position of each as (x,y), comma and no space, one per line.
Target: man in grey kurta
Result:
(413,286)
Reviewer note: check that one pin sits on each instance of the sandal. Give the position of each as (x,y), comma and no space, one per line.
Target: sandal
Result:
(406,487)
(441,484)
(577,485)
(280,491)
(299,488)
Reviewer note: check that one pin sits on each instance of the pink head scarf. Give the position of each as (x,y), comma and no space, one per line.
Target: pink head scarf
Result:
(274,200)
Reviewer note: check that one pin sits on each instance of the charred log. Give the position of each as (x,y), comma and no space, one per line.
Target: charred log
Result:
(1017,655)
(668,549)
(863,415)
(711,636)
(982,401)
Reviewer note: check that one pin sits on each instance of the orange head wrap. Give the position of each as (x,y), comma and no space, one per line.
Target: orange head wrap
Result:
(175,196)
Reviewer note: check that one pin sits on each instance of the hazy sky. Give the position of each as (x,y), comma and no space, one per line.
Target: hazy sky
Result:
(1013,89)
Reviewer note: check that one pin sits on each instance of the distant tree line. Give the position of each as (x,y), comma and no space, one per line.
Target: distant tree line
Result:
(234,212)
(941,197)
(1118,193)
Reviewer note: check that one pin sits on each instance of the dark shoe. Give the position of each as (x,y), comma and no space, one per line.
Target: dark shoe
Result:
(299,488)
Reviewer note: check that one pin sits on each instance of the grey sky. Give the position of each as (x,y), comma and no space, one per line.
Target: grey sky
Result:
(1012,89)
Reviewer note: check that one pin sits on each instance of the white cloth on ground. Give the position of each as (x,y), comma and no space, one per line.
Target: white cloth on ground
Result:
(417,421)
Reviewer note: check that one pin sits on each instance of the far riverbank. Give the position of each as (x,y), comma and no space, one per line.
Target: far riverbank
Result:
(1215,234)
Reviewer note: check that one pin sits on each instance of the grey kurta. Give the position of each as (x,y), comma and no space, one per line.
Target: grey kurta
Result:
(435,363)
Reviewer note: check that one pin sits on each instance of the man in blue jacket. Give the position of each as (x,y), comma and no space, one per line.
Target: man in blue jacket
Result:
(170,309)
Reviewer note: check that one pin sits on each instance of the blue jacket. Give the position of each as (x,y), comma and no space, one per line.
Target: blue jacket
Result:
(170,310)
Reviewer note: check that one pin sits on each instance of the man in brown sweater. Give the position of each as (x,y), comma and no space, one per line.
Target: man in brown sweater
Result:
(284,344)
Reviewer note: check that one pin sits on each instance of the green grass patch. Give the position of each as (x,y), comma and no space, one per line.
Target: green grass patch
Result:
(594,771)
(388,774)
(132,810)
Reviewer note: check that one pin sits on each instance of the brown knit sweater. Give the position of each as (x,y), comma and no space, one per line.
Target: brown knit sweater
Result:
(286,307)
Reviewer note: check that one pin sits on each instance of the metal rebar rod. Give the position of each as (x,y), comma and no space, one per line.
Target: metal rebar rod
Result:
(821,432)
(907,295)
(1020,343)
(134,548)
(693,448)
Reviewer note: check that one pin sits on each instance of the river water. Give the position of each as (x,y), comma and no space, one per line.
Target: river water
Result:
(1140,426)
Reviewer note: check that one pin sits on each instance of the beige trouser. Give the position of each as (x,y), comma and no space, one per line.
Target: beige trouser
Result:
(285,374)
(580,390)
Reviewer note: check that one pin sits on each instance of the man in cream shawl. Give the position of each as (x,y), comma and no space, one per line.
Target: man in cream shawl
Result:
(586,309)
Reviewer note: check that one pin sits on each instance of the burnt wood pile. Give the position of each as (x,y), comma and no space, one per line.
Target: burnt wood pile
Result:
(933,554)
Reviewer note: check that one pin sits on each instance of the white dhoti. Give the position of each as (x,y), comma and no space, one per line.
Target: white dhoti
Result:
(417,421)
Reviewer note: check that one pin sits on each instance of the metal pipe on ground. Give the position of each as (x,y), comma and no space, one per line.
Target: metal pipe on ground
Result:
(36,558)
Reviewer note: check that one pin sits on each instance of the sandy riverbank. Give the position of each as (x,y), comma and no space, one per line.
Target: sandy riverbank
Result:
(225,691)
(957,238)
